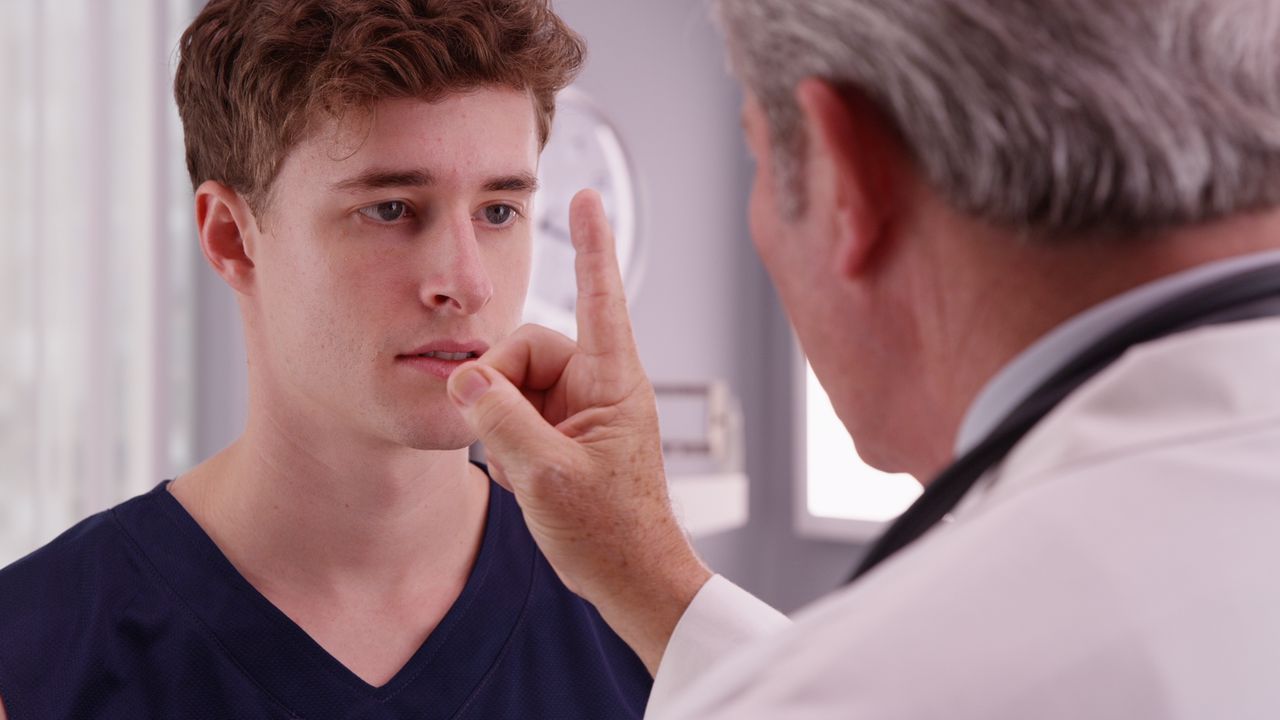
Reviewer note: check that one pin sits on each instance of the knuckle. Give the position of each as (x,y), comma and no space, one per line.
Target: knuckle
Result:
(552,479)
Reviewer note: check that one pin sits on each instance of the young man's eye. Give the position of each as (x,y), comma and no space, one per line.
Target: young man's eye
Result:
(387,212)
(499,214)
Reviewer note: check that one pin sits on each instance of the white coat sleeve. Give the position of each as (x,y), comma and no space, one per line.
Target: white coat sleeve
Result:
(722,619)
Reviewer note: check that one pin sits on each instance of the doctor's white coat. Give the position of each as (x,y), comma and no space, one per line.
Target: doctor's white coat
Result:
(1122,563)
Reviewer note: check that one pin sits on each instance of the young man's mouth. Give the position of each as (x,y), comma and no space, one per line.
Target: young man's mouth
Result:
(442,358)
(447,355)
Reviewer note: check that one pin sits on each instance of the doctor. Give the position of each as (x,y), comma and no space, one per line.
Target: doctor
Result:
(1033,253)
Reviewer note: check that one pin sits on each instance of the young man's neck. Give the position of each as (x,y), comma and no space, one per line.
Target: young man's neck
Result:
(365,547)
(324,513)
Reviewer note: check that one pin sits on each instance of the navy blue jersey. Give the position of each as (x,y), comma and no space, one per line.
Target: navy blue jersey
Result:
(135,614)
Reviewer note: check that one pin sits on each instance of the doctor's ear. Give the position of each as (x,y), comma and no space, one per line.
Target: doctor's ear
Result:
(856,151)
(227,233)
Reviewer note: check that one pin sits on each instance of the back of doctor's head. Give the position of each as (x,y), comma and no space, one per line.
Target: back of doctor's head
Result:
(1062,117)
(255,76)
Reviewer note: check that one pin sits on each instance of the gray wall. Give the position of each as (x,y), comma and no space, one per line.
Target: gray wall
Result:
(705,308)
(221,373)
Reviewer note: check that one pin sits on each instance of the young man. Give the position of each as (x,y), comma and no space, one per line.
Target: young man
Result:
(364,172)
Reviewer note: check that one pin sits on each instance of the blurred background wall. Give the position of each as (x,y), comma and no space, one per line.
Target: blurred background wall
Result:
(706,308)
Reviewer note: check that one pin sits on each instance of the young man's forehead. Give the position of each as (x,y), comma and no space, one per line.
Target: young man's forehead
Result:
(488,108)
(486,138)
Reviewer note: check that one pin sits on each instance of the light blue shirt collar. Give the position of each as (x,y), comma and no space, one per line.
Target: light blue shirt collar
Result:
(1034,365)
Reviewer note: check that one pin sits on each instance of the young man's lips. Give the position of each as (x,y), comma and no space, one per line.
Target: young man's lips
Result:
(439,367)
(450,349)
(442,358)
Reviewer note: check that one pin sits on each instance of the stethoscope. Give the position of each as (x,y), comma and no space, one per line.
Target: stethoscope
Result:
(1248,295)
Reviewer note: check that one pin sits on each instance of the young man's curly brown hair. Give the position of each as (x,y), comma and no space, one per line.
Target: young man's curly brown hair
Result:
(254,76)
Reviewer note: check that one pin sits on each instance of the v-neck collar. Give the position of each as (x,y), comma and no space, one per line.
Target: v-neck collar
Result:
(290,667)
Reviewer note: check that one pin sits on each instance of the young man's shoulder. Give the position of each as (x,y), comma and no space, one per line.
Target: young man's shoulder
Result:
(560,659)
(51,601)
(68,569)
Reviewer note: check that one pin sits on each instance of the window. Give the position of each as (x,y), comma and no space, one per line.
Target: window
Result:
(95,262)
(837,495)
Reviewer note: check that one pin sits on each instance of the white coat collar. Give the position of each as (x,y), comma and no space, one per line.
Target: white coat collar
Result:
(1034,365)
(1196,385)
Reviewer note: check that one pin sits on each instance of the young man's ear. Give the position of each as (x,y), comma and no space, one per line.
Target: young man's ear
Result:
(864,161)
(227,233)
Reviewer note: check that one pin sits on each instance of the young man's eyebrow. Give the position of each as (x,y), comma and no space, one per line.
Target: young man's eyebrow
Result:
(523,182)
(377,179)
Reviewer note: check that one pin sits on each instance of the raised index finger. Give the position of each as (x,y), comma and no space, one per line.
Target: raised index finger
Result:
(603,324)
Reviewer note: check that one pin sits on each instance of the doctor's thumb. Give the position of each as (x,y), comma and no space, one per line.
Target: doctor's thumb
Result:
(511,429)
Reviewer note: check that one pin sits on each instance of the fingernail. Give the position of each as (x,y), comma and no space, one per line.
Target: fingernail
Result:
(470,386)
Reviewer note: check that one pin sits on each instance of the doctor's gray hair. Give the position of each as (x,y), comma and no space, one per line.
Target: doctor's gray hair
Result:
(1062,117)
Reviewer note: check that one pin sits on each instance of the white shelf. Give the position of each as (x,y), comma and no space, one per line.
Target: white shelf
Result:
(709,504)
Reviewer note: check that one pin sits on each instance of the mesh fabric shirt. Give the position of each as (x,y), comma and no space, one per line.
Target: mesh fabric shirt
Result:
(134,613)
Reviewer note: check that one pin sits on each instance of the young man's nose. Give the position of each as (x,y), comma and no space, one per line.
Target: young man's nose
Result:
(454,274)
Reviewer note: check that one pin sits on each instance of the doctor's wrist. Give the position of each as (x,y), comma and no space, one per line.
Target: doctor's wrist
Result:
(645,608)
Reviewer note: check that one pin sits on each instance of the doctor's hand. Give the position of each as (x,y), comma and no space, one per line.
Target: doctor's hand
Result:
(572,430)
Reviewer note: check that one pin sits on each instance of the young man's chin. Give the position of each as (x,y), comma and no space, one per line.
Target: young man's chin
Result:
(424,423)
(437,436)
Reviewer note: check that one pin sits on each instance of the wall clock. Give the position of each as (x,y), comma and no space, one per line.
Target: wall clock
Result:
(585,151)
